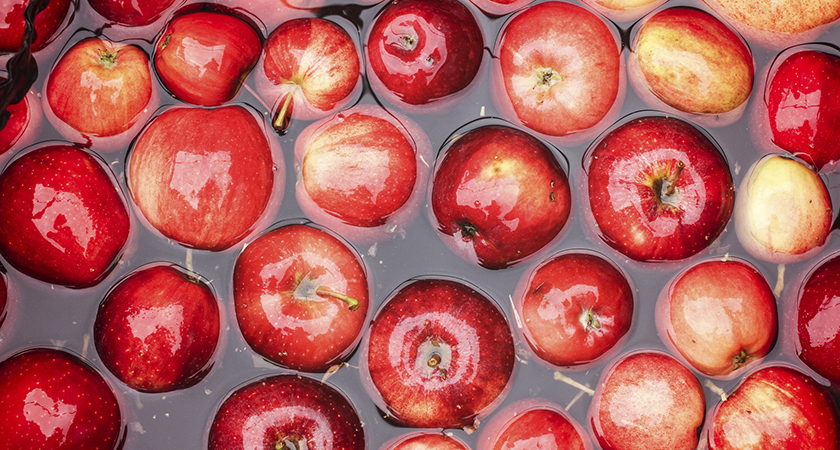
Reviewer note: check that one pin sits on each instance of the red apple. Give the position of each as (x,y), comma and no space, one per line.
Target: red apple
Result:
(64,218)
(286,412)
(100,94)
(24,123)
(132,14)
(363,172)
(783,211)
(659,189)
(776,406)
(687,62)
(273,13)
(624,10)
(203,57)
(425,440)
(48,23)
(158,328)
(533,424)
(719,315)
(576,307)
(545,76)
(421,53)
(302,297)
(52,399)
(206,178)
(647,400)
(817,319)
(4,297)
(500,7)
(498,195)
(311,67)
(438,354)
(799,110)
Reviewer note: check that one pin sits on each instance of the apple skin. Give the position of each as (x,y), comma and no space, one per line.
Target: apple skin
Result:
(438,354)
(132,14)
(536,83)
(498,195)
(52,399)
(783,211)
(288,286)
(48,23)
(630,171)
(307,413)
(310,68)
(775,406)
(533,423)
(624,10)
(496,8)
(100,94)
(362,172)
(719,316)
(421,53)
(647,400)
(65,219)
(577,308)
(203,57)
(425,440)
(206,178)
(23,126)
(687,62)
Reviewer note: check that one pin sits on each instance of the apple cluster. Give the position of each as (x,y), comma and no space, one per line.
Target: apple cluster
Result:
(420,224)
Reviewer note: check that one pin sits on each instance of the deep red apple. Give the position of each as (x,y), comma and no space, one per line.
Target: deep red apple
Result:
(425,440)
(25,118)
(421,53)
(647,400)
(576,307)
(286,412)
(719,315)
(158,328)
(203,57)
(100,94)
(817,320)
(498,195)
(363,172)
(545,76)
(500,7)
(310,68)
(64,218)
(4,296)
(53,399)
(132,14)
(301,297)
(533,424)
(48,23)
(658,189)
(206,178)
(438,354)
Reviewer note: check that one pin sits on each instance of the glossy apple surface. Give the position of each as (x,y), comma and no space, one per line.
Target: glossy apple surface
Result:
(577,308)
(438,354)
(500,7)
(64,217)
(817,340)
(52,399)
(47,23)
(286,412)
(206,178)
(158,329)
(203,57)
(659,189)
(21,130)
(624,10)
(425,440)
(301,297)
(132,14)
(647,400)
(498,195)
(533,423)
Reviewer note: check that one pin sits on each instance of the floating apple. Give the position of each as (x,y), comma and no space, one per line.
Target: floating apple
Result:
(500,7)
(498,195)
(624,10)
(4,296)
(301,297)
(659,189)
(132,14)
(533,423)
(206,178)
(425,440)
(438,354)
(48,23)
(817,320)
(24,123)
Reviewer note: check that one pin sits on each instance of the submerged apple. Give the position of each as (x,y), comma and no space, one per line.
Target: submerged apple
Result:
(425,440)
(48,23)
(817,320)
(533,424)
(23,125)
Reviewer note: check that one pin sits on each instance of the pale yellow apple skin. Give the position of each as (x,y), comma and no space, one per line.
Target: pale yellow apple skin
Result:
(624,10)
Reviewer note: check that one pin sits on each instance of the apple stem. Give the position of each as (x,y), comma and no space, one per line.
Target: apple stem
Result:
(674,178)
(283,117)
(590,321)
(327,292)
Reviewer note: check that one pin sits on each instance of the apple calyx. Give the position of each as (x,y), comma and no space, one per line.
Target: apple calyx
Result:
(291,442)
(665,186)
(546,77)
(408,41)
(306,288)
(284,114)
(590,320)
(107,59)
(437,355)
(741,359)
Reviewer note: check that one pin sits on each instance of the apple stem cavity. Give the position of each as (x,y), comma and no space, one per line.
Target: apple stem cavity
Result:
(290,443)
(283,117)
(590,320)
(666,186)
(324,291)
(408,42)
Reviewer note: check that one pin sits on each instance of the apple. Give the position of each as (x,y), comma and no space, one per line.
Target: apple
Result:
(658,188)
(286,412)
(438,354)
(311,67)
(4,296)
(206,178)
(687,62)
(624,10)
(158,328)
(53,17)
(362,172)
(203,57)
(302,297)
(64,217)
(783,211)
(421,53)
(52,399)
(775,406)
(719,316)
(425,440)
(132,14)
(545,78)
(498,195)
(533,424)
(647,400)
(576,307)
(500,7)
(799,110)
(23,125)
(100,94)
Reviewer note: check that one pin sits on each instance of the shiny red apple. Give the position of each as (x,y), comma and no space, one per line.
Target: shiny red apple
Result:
(132,14)
(425,440)
(23,126)
(500,7)
(48,23)
(533,424)
(816,320)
